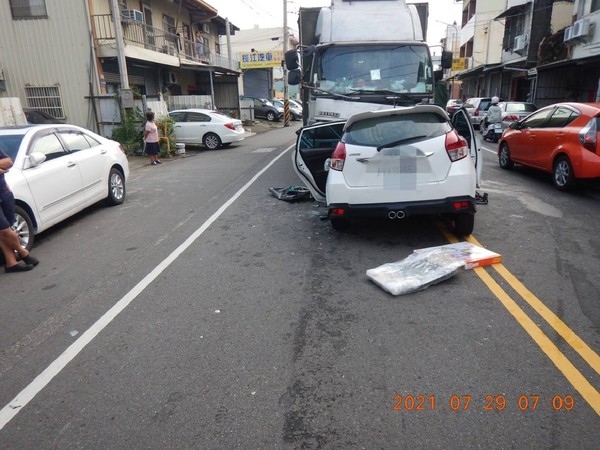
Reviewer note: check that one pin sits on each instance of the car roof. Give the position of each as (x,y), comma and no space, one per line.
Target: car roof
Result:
(417,109)
(22,129)
(588,108)
(196,110)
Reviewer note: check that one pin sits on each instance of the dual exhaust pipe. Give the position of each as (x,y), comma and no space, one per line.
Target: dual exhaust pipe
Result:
(396,215)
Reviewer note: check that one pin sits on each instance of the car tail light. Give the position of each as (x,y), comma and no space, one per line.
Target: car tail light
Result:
(588,136)
(511,119)
(461,205)
(230,126)
(336,211)
(338,157)
(456,146)
(476,113)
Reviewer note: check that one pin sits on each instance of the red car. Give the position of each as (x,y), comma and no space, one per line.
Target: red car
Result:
(561,139)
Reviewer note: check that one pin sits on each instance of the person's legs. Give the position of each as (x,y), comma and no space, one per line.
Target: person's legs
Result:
(152,150)
(9,239)
(9,255)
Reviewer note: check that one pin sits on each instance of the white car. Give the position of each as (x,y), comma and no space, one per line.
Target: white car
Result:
(57,171)
(393,163)
(209,128)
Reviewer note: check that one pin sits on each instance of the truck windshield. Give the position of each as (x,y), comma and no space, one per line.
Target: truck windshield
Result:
(378,68)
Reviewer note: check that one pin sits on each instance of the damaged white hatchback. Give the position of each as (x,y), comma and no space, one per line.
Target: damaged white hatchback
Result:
(393,163)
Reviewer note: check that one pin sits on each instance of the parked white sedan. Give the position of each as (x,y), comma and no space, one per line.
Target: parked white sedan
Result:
(58,170)
(209,128)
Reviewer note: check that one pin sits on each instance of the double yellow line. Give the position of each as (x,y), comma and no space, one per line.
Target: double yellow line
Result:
(574,376)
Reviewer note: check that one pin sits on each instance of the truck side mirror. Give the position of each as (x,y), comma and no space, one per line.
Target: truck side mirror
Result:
(292,61)
(294,77)
(446,59)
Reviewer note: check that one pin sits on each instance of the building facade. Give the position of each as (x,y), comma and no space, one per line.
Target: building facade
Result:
(72,58)
(544,51)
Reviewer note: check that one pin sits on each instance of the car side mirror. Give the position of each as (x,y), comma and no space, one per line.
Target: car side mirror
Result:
(515,125)
(35,159)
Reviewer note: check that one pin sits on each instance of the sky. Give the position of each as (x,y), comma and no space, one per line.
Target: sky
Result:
(245,14)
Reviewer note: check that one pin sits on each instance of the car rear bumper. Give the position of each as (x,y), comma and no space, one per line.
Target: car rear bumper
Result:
(400,210)
(233,137)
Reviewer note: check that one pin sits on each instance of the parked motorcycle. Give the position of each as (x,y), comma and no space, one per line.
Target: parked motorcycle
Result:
(493,132)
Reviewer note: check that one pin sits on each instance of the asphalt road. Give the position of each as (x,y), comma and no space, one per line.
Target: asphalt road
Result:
(205,313)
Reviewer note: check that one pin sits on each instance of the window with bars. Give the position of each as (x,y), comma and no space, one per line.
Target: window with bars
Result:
(28,9)
(45,98)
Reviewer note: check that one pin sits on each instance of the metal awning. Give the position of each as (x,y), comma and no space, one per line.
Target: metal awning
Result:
(514,11)
(469,73)
(199,67)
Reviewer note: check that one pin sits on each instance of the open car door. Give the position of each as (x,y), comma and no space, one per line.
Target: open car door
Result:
(314,147)
(460,121)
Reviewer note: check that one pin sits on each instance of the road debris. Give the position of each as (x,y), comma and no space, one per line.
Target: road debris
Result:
(428,266)
(290,194)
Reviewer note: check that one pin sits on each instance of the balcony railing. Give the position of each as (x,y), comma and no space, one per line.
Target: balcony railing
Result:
(155,39)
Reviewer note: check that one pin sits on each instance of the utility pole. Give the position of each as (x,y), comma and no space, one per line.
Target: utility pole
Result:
(286,94)
(125,92)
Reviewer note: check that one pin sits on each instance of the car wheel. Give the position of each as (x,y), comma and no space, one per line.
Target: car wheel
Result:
(563,174)
(340,224)
(211,141)
(116,187)
(270,116)
(463,224)
(24,227)
(504,157)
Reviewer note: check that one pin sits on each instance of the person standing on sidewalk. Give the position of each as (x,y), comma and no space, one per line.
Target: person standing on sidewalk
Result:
(9,240)
(151,139)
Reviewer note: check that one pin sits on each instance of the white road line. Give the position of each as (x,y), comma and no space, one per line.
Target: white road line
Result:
(41,381)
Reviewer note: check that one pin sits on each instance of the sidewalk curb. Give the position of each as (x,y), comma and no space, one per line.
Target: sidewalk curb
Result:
(137,162)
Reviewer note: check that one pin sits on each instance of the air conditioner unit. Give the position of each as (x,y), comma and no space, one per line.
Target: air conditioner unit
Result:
(172,77)
(520,43)
(169,50)
(132,15)
(568,34)
(206,28)
(582,28)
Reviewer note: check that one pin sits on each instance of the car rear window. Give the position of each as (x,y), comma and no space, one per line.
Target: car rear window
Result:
(485,104)
(520,107)
(377,131)
(10,144)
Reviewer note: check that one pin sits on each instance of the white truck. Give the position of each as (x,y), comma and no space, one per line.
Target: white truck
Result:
(362,55)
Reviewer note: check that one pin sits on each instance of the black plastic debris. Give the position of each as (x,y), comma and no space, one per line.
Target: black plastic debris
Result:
(481,199)
(290,194)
